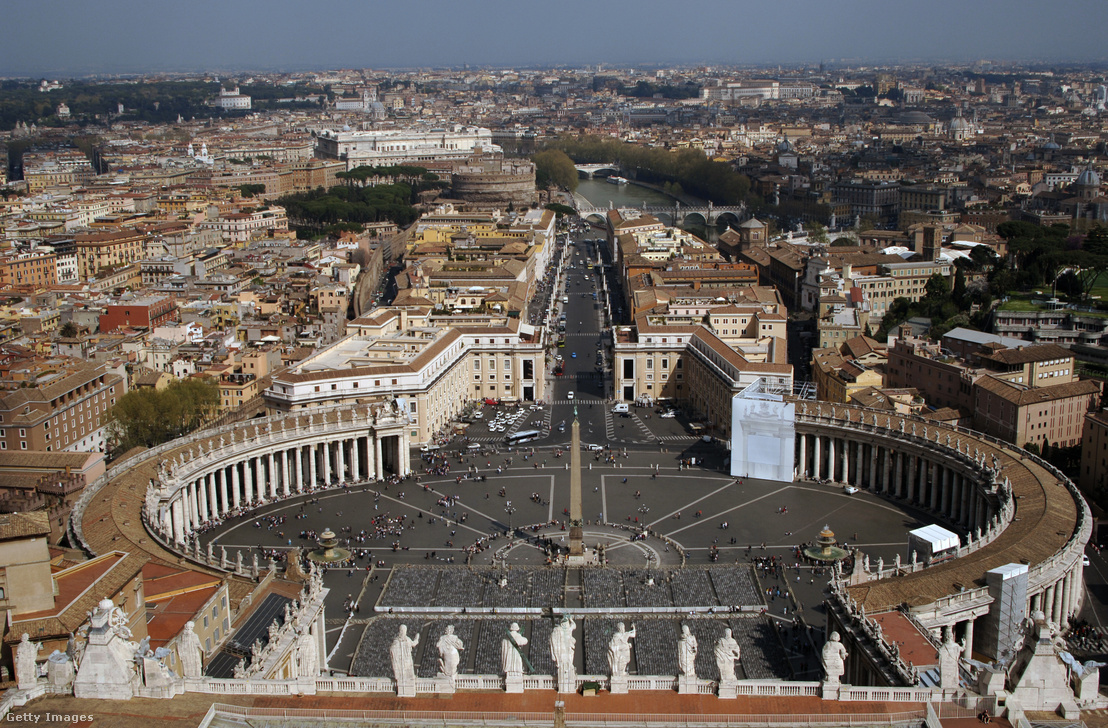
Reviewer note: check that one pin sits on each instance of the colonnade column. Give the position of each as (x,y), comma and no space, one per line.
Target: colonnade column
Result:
(803,442)
(1058,617)
(235,483)
(194,512)
(259,477)
(873,467)
(831,458)
(221,477)
(846,460)
(898,476)
(886,468)
(1048,603)
(326,463)
(1067,595)
(286,481)
(944,505)
(355,459)
(312,466)
(969,637)
(248,480)
(340,452)
(816,444)
(272,476)
(378,458)
(212,497)
(298,461)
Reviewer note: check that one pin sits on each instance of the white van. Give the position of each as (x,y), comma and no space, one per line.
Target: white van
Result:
(621,409)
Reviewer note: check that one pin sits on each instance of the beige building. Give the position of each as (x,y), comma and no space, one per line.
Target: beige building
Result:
(692,366)
(1094,453)
(25,584)
(1045,415)
(432,366)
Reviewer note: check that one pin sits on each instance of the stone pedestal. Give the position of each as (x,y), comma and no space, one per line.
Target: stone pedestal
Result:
(1087,686)
(686,685)
(59,671)
(405,688)
(830,690)
(444,684)
(728,690)
(567,681)
(618,685)
(513,683)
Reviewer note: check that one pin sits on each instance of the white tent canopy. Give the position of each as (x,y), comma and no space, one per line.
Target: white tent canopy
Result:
(938,537)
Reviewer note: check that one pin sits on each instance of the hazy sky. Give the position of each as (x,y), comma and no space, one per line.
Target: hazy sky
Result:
(58,37)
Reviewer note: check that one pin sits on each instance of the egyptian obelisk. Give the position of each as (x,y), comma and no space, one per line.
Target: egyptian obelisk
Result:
(576,548)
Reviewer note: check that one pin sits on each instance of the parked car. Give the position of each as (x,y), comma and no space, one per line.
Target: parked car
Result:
(850,489)
(570,395)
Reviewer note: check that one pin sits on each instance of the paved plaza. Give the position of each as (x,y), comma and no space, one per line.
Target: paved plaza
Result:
(448,523)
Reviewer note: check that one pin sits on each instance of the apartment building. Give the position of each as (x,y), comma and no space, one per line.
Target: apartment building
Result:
(1093,477)
(146,312)
(108,249)
(57,404)
(34,270)
(1046,415)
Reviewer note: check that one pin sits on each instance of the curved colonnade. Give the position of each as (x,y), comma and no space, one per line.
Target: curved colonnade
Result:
(264,461)
(1006,505)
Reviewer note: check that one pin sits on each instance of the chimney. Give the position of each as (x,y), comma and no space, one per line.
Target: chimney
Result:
(847,275)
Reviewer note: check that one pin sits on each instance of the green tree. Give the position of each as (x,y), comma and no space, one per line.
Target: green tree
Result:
(561,210)
(959,292)
(553,167)
(148,417)
(69,330)
(251,190)
(843,243)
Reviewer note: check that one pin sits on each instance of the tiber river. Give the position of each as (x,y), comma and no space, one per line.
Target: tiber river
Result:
(600,192)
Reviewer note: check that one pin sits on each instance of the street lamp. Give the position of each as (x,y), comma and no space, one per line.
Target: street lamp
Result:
(509,509)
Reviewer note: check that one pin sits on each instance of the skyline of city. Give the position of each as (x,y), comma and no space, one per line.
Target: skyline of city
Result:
(123,37)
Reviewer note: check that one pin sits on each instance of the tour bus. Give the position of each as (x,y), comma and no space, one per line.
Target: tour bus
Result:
(521,437)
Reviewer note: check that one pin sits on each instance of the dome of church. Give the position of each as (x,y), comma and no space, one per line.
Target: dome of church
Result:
(785,146)
(958,123)
(1088,178)
(1052,145)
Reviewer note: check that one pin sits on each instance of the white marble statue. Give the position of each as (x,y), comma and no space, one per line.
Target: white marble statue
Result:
(619,650)
(190,654)
(686,652)
(834,659)
(511,652)
(726,652)
(562,644)
(307,655)
(449,646)
(949,654)
(400,651)
(26,672)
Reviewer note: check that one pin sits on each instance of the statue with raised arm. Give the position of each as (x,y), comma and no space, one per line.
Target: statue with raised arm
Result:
(562,644)
(834,659)
(949,654)
(403,667)
(686,652)
(619,650)
(449,645)
(726,652)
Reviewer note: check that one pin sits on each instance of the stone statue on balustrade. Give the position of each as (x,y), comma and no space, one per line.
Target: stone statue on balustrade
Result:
(307,655)
(686,660)
(619,650)
(726,653)
(190,655)
(26,671)
(562,645)
(449,647)
(403,666)
(833,659)
(950,652)
(511,659)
